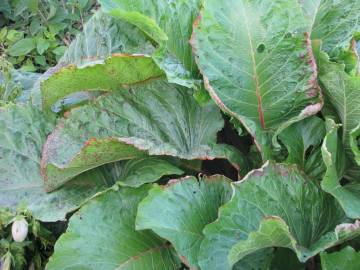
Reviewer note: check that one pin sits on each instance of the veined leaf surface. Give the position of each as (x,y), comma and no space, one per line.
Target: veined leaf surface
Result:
(157,118)
(101,235)
(111,75)
(170,25)
(347,258)
(334,157)
(257,63)
(343,91)
(18,88)
(23,131)
(139,171)
(103,36)
(299,137)
(333,22)
(274,206)
(180,210)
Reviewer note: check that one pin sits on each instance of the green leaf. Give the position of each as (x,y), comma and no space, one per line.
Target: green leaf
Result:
(333,22)
(35,26)
(28,66)
(334,158)
(128,124)
(3,33)
(139,171)
(146,24)
(236,158)
(350,59)
(160,19)
(101,235)
(314,165)
(40,60)
(258,66)
(342,90)
(354,143)
(274,206)
(23,131)
(175,70)
(42,45)
(299,137)
(55,28)
(202,96)
(103,36)
(22,47)
(114,74)
(182,223)
(33,5)
(272,231)
(17,88)
(347,258)
(59,51)
(83,3)
(14,35)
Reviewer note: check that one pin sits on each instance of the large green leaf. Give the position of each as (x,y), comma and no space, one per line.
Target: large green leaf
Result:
(299,137)
(343,91)
(114,73)
(167,23)
(143,22)
(257,63)
(334,158)
(334,22)
(23,132)
(180,210)
(35,93)
(347,258)
(139,171)
(103,36)
(156,118)
(274,206)
(101,235)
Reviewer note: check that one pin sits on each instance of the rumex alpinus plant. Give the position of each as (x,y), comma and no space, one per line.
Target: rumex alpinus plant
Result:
(118,138)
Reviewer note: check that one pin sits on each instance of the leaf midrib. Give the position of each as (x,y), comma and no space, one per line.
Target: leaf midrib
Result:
(141,254)
(345,113)
(255,75)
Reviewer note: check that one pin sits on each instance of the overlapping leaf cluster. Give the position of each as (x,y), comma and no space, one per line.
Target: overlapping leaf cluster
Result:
(126,110)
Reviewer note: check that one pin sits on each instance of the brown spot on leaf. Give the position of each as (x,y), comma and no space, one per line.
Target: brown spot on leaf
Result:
(91,141)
